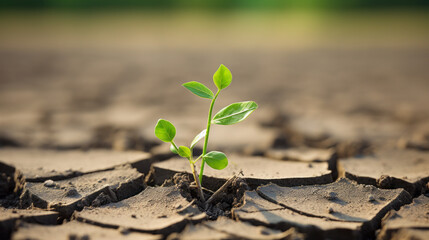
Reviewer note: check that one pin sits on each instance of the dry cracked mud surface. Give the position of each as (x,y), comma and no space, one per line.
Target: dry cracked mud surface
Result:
(337,210)
(391,168)
(10,217)
(290,195)
(160,210)
(409,222)
(92,189)
(68,231)
(38,165)
(255,170)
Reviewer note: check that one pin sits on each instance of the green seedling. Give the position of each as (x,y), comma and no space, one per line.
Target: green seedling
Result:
(229,115)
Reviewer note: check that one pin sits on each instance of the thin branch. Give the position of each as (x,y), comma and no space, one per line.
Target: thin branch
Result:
(222,189)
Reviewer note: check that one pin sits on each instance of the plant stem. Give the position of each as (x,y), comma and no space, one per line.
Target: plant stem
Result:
(198,158)
(194,173)
(206,139)
(174,145)
(200,190)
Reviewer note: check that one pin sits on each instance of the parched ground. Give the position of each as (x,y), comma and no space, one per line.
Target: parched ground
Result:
(340,96)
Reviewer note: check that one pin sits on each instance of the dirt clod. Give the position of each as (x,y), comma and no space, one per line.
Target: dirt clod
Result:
(71,192)
(101,199)
(77,237)
(231,197)
(331,196)
(384,181)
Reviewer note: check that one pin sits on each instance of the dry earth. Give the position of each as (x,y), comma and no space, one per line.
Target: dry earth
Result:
(338,148)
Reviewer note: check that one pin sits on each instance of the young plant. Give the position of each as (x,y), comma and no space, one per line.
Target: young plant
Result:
(231,114)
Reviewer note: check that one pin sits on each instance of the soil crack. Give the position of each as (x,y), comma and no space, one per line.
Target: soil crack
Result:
(298,211)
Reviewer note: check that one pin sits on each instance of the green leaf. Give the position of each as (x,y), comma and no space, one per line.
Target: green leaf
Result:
(184,152)
(216,160)
(222,77)
(165,131)
(199,89)
(173,149)
(234,113)
(197,138)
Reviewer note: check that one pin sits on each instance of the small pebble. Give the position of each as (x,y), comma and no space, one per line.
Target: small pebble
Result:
(330,210)
(77,237)
(371,198)
(123,230)
(331,196)
(134,216)
(73,237)
(101,180)
(49,183)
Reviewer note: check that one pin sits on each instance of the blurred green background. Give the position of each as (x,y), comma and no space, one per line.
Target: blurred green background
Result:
(235,24)
(214,5)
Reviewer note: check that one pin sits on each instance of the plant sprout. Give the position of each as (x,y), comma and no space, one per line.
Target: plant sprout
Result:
(231,114)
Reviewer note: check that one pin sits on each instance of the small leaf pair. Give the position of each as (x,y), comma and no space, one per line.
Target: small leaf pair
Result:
(222,78)
(231,114)
(197,138)
(166,131)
